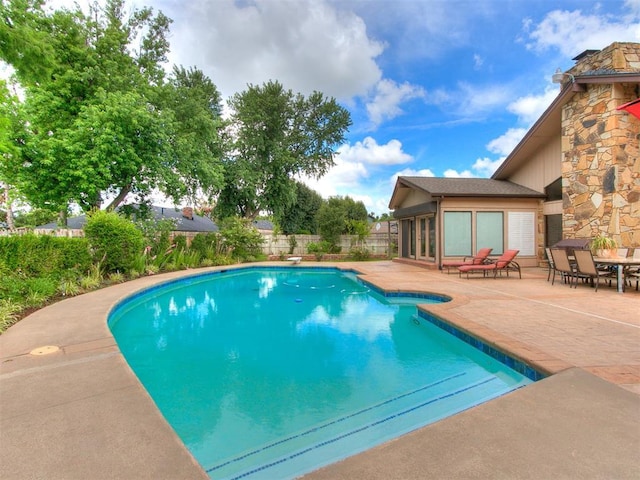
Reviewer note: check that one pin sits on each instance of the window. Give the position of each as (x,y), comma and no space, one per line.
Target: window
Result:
(490,231)
(522,232)
(553,229)
(457,233)
(553,191)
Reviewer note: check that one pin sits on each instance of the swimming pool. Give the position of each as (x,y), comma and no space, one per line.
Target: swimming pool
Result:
(274,372)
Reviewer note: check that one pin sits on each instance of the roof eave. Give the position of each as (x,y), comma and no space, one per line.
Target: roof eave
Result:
(563,97)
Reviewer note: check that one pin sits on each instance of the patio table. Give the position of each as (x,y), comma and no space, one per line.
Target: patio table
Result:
(619,263)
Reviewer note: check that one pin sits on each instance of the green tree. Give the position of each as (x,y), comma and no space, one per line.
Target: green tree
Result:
(197,133)
(277,135)
(93,124)
(300,217)
(339,216)
(103,120)
(12,131)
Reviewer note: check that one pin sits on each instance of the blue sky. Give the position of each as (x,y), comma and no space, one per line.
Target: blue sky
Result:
(434,87)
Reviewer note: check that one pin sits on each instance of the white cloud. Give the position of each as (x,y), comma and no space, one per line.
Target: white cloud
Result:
(368,151)
(410,172)
(482,167)
(305,44)
(468,100)
(530,107)
(344,176)
(504,144)
(451,173)
(573,32)
(388,96)
(485,166)
(478,61)
(351,173)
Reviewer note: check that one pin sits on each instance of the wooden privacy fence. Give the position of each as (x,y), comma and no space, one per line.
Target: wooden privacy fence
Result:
(375,243)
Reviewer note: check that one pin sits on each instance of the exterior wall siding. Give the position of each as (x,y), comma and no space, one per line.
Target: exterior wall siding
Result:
(543,168)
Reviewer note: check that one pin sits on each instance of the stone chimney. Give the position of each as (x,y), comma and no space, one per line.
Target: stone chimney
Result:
(187,212)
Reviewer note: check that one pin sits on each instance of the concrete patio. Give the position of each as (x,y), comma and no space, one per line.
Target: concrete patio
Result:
(76,410)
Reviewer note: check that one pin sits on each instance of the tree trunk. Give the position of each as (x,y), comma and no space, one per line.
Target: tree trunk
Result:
(62,218)
(119,199)
(9,205)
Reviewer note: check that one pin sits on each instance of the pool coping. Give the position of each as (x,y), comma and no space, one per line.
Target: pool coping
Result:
(50,426)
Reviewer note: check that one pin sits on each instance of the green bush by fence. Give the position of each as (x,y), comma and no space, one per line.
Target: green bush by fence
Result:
(114,240)
(34,255)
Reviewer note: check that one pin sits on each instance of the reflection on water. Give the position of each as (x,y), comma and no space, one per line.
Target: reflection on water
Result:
(357,316)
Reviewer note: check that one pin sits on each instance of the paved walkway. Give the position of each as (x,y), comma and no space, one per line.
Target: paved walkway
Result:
(76,411)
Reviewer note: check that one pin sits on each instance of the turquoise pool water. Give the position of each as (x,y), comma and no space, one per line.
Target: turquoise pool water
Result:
(274,372)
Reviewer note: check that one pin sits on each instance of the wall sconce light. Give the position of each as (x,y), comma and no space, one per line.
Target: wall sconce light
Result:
(559,76)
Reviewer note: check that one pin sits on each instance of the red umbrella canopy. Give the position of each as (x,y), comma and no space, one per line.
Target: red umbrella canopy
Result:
(632,107)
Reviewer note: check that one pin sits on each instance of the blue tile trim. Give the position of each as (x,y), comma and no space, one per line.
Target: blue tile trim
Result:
(399,294)
(363,428)
(504,358)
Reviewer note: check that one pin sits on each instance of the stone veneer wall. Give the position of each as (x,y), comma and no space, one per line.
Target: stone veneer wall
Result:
(601,163)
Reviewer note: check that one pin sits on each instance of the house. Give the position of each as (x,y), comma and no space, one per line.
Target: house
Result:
(185,219)
(575,174)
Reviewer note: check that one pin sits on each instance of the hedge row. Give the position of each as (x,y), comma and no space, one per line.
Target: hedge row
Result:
(35,255)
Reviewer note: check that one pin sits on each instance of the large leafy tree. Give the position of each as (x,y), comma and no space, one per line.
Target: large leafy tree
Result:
(300,217)
(12,132)
(103,120)
(277,135)
(198,140)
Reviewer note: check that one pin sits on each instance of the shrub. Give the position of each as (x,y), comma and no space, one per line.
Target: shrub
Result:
(293,243)
(180,242)
(208,245)
(44,255)
(114,240)
(317,249)
(40,286)
(359,253)
(9,311)
(241,238)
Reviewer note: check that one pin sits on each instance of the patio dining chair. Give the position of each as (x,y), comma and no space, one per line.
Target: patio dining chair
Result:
(479,258)
(550,263)
(504,263)
(562,265)
(586,268)
(632,274)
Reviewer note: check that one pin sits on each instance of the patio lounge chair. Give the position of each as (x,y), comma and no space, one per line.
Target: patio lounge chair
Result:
(504,263)
(586,268)
(478,259)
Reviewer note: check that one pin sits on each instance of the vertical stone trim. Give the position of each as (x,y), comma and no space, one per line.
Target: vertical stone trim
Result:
(601,165)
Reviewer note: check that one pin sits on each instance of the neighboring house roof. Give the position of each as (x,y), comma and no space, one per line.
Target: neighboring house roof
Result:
(183,224)
(263,225)
(384,226)
(438,187)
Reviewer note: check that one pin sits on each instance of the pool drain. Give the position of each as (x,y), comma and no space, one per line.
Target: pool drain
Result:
(46,350)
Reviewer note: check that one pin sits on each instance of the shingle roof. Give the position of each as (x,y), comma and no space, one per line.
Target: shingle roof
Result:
(469,187)
(198,224)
